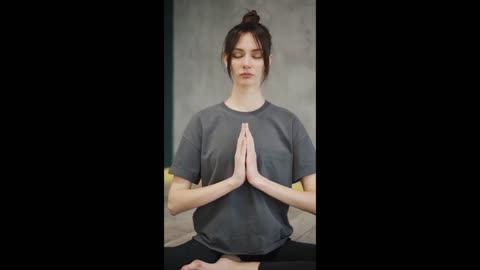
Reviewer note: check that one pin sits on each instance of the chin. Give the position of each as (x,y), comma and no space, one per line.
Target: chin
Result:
(247,83)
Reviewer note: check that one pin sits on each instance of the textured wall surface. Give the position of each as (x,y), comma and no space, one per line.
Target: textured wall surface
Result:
(199,78)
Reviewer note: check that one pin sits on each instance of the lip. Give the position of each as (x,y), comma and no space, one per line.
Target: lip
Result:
(246,75)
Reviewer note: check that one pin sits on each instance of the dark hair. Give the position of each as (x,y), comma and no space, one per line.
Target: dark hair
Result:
(250,24)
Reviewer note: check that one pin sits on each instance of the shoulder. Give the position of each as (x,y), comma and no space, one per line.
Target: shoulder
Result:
(199,122)
(283,113)
(206,113)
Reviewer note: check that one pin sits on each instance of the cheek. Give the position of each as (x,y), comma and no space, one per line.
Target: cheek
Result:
(234,65)
(260,67)
(259,64)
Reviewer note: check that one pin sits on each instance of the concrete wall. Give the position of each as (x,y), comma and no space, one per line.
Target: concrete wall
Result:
(199,78)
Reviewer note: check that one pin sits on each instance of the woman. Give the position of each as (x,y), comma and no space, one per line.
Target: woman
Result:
(248,152)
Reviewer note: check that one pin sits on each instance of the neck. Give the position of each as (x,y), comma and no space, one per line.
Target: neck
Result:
(245,99)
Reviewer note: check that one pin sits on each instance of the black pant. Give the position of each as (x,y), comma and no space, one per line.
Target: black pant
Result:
(292,255)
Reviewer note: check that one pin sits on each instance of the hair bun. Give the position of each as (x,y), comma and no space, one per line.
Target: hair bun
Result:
(251,17)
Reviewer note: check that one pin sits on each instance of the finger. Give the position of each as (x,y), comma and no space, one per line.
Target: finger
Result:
(247,138)
(250,138)
(244,148)
(241,136)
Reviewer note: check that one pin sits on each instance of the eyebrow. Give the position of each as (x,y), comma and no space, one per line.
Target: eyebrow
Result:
(255,50)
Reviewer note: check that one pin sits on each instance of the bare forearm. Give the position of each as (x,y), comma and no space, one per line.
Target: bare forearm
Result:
(303,200)
(186,199)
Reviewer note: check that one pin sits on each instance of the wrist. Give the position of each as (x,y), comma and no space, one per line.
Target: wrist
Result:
(258,181)
(234,182)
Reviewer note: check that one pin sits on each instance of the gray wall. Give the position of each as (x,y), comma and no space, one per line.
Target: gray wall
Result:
(199,77)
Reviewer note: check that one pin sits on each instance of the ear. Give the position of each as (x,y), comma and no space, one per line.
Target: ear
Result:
(270,60)
(225,60)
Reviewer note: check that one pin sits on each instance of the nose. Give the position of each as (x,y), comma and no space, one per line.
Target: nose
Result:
(246,61)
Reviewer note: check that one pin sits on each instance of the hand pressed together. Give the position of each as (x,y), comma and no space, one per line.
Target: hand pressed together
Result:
(239,173)
(253,176)
(246,159)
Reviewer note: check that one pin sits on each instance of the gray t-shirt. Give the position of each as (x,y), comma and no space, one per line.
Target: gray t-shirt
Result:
(245,221)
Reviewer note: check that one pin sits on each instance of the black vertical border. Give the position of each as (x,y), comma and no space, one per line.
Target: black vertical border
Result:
(168,83)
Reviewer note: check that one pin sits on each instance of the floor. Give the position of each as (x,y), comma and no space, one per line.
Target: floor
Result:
(179,229)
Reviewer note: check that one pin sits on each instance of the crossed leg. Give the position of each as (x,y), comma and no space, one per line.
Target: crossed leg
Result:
(292,255)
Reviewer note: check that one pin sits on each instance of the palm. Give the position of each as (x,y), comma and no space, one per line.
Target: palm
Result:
(239,173)
(251,159)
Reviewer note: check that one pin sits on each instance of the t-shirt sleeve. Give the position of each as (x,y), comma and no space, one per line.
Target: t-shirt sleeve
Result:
(303,151)
(187,163)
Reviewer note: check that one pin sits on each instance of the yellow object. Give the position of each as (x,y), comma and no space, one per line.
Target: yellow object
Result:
(298,186)
(166,176)
(169,177)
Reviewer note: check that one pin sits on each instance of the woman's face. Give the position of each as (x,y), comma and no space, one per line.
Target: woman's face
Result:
(247,62)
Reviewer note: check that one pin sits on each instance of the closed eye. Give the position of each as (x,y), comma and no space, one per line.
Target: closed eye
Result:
(255,56)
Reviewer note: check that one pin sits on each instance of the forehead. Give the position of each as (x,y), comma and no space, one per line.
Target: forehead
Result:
(247,42)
